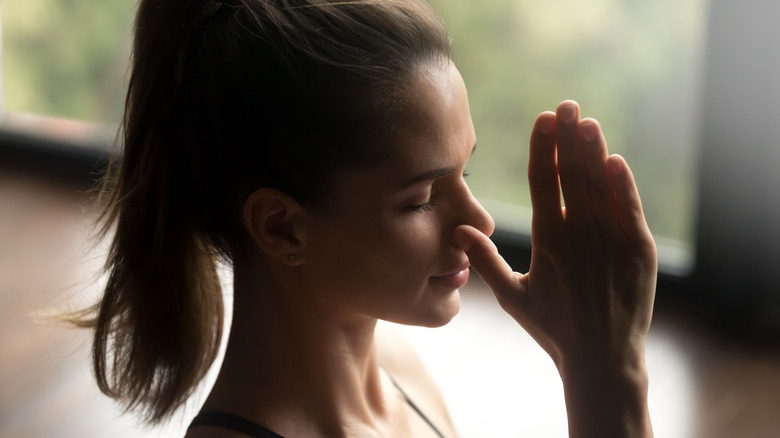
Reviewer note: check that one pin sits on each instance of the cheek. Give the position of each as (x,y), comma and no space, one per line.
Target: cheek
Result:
(417,240)
(405,253)
(394,246)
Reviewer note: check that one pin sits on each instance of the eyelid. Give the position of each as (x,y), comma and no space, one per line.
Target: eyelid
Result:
(428,185)
(423,207)
(432,200)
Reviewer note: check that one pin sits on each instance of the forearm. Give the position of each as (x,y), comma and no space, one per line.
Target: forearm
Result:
(607,401)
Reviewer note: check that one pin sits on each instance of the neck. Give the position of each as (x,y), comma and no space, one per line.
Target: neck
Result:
(293,367)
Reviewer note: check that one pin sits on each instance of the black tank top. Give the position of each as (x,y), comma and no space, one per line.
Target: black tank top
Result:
(242,425)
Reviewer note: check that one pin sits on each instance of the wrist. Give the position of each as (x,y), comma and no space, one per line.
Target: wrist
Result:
(626,366)
(606,397)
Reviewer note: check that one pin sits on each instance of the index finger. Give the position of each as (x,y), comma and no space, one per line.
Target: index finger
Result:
(485,259)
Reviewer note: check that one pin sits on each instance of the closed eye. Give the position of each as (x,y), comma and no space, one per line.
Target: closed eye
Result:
(423,207)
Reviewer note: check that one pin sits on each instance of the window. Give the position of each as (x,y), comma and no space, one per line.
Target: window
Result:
(634,65)
(66,59)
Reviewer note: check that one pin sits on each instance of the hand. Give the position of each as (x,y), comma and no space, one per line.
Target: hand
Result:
(589,294)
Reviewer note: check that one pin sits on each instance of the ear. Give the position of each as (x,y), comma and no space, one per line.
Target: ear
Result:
(272,218)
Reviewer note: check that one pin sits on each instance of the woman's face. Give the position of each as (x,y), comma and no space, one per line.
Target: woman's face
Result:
(385,248)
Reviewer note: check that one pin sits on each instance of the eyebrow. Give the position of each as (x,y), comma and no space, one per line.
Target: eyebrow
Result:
(435,173)
(430,175)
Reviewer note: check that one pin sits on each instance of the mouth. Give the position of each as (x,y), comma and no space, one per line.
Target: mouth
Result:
(455,279)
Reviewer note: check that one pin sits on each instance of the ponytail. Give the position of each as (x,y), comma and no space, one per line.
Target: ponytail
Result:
(225,98)
(159,323)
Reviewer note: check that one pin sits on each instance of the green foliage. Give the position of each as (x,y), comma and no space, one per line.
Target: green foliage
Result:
(66,58)
(633,64)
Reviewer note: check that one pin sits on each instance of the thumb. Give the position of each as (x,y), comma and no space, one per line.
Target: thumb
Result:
(485,259)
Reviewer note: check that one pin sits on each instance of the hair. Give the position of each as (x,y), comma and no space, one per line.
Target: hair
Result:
(225,98)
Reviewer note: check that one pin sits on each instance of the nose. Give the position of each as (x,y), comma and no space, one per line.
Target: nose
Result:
(474,214)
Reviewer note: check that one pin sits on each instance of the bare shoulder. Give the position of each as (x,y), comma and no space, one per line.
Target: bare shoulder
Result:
(399,358)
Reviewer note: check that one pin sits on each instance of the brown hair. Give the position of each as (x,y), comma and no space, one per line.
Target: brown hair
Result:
(225,98)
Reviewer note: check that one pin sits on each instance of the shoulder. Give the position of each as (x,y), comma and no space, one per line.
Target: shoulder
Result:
(399,358)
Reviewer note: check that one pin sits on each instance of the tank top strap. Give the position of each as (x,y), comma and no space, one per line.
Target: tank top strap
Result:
(416,408)
(234,423)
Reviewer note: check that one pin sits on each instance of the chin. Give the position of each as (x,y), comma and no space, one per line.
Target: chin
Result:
(441,313)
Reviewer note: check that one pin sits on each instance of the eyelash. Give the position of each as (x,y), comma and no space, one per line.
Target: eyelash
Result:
(422,208)
(430,203)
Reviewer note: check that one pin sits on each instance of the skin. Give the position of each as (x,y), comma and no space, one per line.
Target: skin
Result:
(588,296)
(304,357)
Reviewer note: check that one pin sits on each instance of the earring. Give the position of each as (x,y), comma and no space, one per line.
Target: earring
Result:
(291,257)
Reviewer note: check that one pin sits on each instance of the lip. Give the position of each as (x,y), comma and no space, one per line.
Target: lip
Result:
(455,279)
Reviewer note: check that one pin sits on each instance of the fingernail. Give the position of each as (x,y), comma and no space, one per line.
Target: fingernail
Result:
(588,130)
(567,113)
(616,165)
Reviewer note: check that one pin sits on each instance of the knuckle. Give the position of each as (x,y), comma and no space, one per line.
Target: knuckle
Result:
(572,174)
(601,189)
(542,181)
(633,213)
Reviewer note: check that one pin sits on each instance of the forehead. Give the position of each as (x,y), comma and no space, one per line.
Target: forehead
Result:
(436,121)
(431,130)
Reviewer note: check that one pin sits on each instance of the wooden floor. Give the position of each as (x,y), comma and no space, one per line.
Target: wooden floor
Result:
(496,381)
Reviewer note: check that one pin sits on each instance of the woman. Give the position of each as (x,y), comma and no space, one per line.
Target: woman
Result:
(320,147)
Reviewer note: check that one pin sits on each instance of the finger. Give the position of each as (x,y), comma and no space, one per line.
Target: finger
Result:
(543,176)
(594,148)
(485,259)
(628,205)
(573,175)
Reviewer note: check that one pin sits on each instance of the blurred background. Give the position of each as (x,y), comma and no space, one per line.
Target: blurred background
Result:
(685,90)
